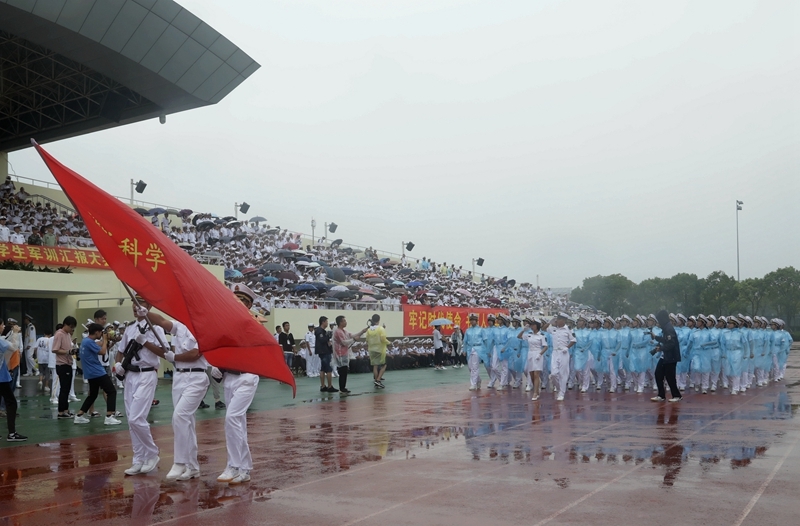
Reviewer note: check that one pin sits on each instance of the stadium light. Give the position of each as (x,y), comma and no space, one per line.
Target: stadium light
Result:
(139,187)
(479,261)
(240,207)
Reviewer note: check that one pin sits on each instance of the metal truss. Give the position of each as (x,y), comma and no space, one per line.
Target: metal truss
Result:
(41,90)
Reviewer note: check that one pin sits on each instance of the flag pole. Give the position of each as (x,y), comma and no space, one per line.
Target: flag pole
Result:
(149,324)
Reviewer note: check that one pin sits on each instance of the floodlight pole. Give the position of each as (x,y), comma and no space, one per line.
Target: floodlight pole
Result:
(236,210)
(313,226)
(132,186)
(738,207)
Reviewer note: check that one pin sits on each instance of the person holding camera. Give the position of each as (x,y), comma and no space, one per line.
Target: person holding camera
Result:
(7,347)
(96,374)
(64,352)
(670,356)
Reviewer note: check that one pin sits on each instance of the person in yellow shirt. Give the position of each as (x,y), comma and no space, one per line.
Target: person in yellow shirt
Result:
(376,344)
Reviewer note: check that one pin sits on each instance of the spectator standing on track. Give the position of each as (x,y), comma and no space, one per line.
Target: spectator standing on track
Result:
(286,339)
(8,346)
(342,340)
(376,344)
(323,349)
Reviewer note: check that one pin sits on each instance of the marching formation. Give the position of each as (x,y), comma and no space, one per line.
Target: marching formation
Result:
(702,352)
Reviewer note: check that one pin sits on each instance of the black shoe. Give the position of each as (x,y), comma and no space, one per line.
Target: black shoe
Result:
(66,415)
(16,437)
(203,405)
(323,389)
(220,404)
(345,391)
(332,389)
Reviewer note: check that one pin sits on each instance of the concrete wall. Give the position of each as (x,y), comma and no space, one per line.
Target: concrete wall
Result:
(356,319)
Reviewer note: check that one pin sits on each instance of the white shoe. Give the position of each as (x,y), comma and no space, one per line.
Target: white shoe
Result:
(134,470)
(111,421)
(228,475)
(535,398)
(583,390)
(243,476)
(559,398)
(150,464)
(473,387)
(176,471)
(53,401)
(80,419)
(190,474)
(39,385)
(528,388)
(85,382)
(74,399)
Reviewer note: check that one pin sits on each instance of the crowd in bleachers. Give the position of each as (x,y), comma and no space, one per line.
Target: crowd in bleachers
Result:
(22,221)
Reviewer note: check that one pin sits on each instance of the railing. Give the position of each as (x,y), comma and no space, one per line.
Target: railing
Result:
(35,182)
(333,303)
(60,207)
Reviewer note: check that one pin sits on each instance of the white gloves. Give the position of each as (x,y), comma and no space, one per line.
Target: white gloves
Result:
(140,311)
(216,373)
(141,339)
(169,356)
(118,370)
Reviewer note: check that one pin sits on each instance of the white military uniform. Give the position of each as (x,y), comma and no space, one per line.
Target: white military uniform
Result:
(189,386)
(30,349)
(559,362)
(313,362)
(240,389)
(140,388)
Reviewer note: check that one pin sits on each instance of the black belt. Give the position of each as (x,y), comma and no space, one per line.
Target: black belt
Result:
(192,370)
(234,373)
(137,369)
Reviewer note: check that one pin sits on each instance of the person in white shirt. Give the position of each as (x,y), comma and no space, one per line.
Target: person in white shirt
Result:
(43,358)
(313,362)
(5,232)
(17,237)
(537,346)
(30,346)
(51,367)
(141,378)
(189,386)
(563,339)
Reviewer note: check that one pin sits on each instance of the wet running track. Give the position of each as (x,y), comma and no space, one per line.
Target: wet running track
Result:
(427,451)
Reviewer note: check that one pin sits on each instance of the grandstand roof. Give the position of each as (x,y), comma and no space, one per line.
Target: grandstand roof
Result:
(70,67)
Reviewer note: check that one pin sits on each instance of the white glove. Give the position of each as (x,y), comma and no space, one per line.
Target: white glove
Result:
(141,338)
(216,373)
(169,356)
(140,311)
(118,370)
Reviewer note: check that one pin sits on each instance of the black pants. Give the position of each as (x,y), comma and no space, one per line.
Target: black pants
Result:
(104,383)
(343,377)
(11,406)
(64,373)
(438,357)
(666,370)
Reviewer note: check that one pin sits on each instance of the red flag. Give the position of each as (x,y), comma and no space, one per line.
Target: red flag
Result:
(171,280)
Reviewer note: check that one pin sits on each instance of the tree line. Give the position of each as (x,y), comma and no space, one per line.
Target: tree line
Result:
(777,294)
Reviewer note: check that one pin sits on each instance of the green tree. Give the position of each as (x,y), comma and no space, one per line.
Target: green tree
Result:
(683,293)
(783,292)
(648,297)
(719,294)
(606,293)
(751,294)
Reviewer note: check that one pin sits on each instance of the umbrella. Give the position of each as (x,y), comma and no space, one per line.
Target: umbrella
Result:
(336,242)
(205,225)
(412,284)
(271,231)
(379,297)
(285,254)
(352,287)
(212,254)
(512,282)
(441,321)
(305,287)
(366,291)
(303,258)
(231,273)
(375,280)
(493,300)
(398,290)
(341,294)
(405,271)
(389,264)
(186,246)
(438,288)
(335,274)
(228,218)
(225,239)
(302,262)
(347,270)
(398,283)
(371,275)
(431,294)
(269,279)
(233,224)
(272,267)
(314,264)
(257,219)
(339,288)
(368,299)
(238,237)
(287,275)
(464,292)
(319,285)
(156,210)
(141,211)
(291,246)
(186,212)
(249,270)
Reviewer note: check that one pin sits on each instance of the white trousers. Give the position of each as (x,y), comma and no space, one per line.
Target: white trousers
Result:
(239,393)
(474,364)
(313,365)
(29,361)
(139,391)
(493,369)
(188,389)
(559,370)
(56,383)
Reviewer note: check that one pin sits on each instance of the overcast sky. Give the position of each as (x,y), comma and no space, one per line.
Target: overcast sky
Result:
(562,139)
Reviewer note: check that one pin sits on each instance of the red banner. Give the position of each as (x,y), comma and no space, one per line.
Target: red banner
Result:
(417,318)
(53,256)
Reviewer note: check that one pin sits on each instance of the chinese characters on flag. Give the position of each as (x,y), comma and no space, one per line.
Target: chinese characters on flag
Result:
(53,256)
(417,318)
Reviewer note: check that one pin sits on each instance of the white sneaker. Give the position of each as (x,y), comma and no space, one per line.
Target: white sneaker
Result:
(228,475)
(80,419)
(111,421)
(535,398)
(176,471)
(583,390)
(53,401)
(150,464)
(529,388)
(560,398)
(473,387)
(74,399)
(134,470)
(190,474)
(243,476)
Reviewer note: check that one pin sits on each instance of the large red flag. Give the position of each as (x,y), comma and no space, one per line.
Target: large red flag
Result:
(171,280)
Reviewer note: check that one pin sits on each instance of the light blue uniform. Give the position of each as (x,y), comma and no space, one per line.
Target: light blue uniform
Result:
(733,344)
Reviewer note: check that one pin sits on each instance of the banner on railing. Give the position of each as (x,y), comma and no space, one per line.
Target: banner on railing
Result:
(417,318)
(52,256)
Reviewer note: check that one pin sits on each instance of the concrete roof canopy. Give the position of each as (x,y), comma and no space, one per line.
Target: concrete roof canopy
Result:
(70,67)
